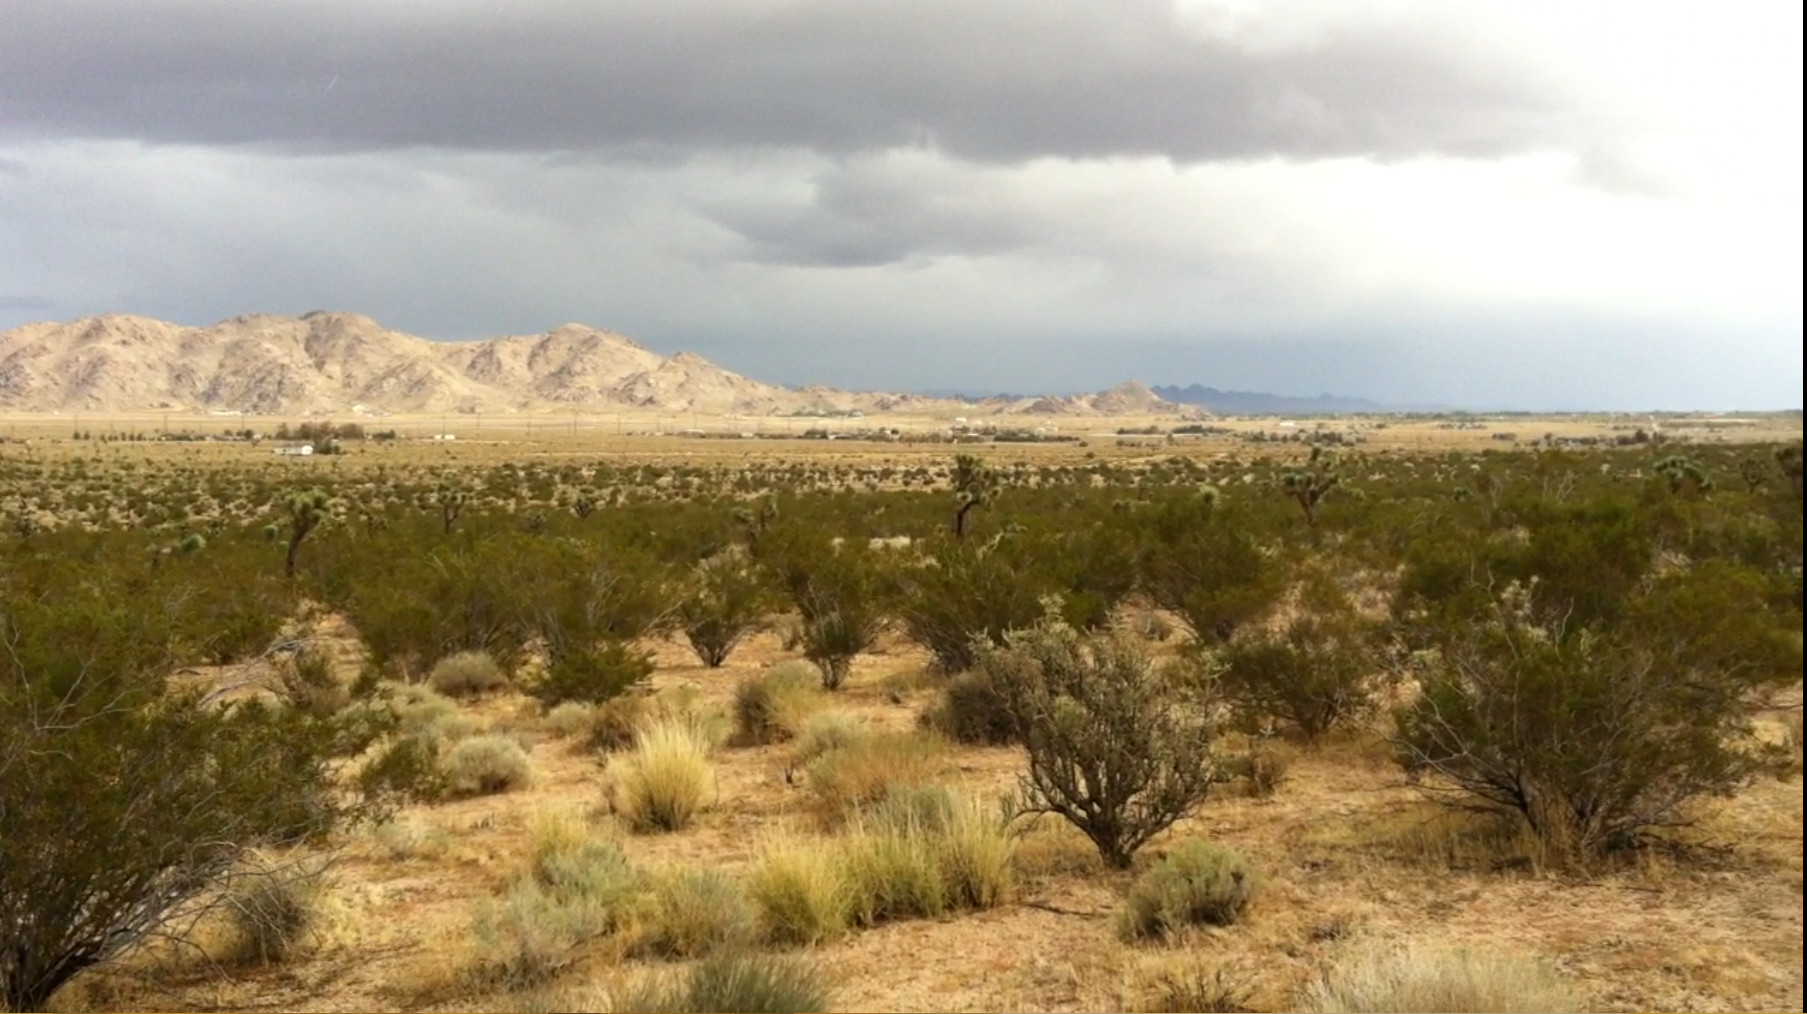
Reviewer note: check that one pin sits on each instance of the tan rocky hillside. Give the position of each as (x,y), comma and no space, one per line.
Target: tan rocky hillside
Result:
(339,362)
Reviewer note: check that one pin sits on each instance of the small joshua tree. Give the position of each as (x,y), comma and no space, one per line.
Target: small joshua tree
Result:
(1310,484)
(974,483)
(1684,475)
(451,501)
(306,511)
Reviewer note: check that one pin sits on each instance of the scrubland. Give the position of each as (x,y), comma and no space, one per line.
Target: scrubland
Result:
(1302,727)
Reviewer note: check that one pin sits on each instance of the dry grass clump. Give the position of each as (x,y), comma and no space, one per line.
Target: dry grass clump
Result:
(772,706)
(485,765)
(1200,883)
(922,853)
(666,780)
(750,983)
(269,912)
(1419,978)
(693,913)
(799,894)
(1192,987)
(467,674)
(869,768)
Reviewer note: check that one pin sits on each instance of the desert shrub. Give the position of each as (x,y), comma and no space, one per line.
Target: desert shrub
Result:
(531,934)
(466,674)
(1118,747)
(970,592)
(1263,768)
(579,887)
(102,764)
(408,839)
(1421,978)
(1194,990)
(426,715)
(839,595)
(770,706)
(748,983)
(1597,736)
(693,913)
(571,718)
(590,673)
(726,601)
(615,722)
(270,911)
(868,769)
(828,730)
(972,710)
(1199,883)
(665,780)
(799,895)
(306,681)
(1200,564)
(1313,674)
(485,765)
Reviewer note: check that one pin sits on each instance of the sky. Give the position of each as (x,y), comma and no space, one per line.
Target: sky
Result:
(1531,204)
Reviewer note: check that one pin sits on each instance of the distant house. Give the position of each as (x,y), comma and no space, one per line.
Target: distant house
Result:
(296,450)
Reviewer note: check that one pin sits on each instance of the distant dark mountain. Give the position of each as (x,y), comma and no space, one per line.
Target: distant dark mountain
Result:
(1260,403)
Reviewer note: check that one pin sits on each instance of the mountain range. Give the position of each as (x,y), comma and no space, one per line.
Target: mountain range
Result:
(325,362)
(1259,403)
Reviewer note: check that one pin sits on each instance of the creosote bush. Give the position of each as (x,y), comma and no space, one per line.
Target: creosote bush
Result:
(486,765)
(1199,883)
(467,674)
(665,780)
(1118,747)
(1420,978)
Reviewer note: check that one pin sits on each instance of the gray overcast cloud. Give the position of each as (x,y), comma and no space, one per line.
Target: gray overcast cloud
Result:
(1533,204)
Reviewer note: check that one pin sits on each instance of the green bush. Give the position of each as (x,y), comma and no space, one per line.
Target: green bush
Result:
(1315,672)
(971,592)
(1199,883)
(972,710)
(1598,735)
(591,674)
(726,601)
(1118,747)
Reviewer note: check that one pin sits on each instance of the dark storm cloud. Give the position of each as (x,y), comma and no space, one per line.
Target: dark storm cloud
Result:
(992,80)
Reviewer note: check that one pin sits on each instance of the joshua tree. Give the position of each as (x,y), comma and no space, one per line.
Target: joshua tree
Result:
(451,501)
(1309,485)
(1684,475)
(974,483)
(755,520)
(306,511)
